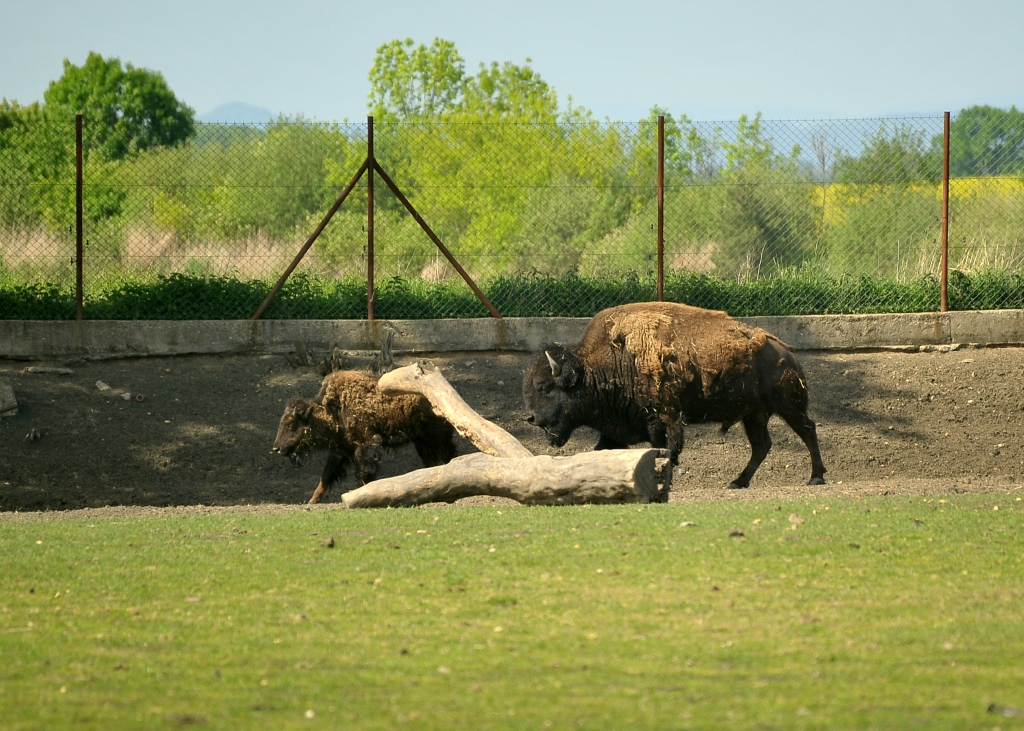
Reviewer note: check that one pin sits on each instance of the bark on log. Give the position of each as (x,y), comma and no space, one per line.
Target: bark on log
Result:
(447,403)
(608,476)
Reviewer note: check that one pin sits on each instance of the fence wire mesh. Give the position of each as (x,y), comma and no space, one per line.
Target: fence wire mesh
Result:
(760,217)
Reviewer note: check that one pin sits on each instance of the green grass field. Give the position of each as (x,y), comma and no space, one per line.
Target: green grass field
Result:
(892,612)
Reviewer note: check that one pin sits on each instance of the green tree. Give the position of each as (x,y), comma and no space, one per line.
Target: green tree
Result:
(509,91)
(426,89)
(13,116)
(126,109)
(986,140)
(688,155)
(37,161)
(409,81)
(887,216)
(897,157)
(18,165)
(768,219)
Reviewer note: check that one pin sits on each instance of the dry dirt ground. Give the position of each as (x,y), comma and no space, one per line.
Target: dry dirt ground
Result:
(197,430)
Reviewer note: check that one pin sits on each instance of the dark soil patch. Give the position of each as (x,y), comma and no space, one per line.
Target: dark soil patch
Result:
(889,423)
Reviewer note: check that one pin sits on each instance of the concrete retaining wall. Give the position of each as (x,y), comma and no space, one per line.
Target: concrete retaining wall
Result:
(36,339)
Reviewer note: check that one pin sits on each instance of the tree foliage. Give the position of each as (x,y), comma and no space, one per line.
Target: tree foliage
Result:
(508,91)
(509,180)
(768,220)
(985,140)
(126,109)
(409,81)
(37,162)
(900,155)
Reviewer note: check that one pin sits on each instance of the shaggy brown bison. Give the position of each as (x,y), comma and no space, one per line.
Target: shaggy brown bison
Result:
(643,371)
(355,423)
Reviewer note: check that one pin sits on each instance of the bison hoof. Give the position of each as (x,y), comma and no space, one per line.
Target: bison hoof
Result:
(737,486)
(817,481)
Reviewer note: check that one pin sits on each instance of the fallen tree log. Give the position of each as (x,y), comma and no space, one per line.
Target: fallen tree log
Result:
(448,404)
(608,476)
(507,468)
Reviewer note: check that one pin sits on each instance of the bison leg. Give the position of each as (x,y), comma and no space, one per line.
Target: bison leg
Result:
(334,470)
(673,440)
(607,442)
(435,450)
(368,457)
(808,432)
(756,427)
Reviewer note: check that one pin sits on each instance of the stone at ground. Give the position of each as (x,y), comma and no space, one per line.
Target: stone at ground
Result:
(8,403)
(53,370)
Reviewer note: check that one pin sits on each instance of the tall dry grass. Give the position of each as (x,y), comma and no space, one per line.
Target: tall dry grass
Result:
(34,247)
(257,256)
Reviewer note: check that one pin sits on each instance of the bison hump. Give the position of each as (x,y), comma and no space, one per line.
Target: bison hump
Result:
(681,343)
(646,336)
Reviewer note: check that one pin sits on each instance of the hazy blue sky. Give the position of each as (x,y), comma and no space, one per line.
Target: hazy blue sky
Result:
(713,59)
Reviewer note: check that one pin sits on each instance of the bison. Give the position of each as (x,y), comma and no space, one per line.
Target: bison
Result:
(355,423)
(643,371)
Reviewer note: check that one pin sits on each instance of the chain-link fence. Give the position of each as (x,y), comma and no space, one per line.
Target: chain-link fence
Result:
(759,217)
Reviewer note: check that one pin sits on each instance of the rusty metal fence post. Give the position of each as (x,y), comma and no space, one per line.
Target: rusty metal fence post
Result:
(944,304)
(79,234)
(661,208)
(370,164)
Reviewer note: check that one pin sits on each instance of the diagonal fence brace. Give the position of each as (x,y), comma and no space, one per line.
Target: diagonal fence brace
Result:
(412,211)
(437,242)
(312,238)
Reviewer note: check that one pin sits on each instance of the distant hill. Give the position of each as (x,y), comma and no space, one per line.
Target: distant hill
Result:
(237,113)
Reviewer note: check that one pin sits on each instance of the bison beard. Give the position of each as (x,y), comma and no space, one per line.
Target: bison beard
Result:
(642,372)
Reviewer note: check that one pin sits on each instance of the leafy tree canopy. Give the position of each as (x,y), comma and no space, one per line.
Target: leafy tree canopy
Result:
(754,150)
(986,140)
(13,117)
(688,155)
(509,90)
(898,156)
(126,109)
(409,81)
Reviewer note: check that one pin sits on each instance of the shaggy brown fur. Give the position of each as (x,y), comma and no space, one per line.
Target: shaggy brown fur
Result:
(643,371)
(355,422)
(679,343)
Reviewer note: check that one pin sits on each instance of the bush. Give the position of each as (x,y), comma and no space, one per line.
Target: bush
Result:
(201,297)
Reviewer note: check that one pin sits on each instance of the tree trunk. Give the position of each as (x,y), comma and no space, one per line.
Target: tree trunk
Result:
(448,404)
(607,476)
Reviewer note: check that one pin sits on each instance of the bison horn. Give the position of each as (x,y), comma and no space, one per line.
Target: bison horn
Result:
(556,367)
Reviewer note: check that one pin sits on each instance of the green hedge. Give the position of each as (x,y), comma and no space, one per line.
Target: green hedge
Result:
(189,297)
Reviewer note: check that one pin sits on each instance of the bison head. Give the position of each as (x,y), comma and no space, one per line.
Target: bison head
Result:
(548,387)
(293,433)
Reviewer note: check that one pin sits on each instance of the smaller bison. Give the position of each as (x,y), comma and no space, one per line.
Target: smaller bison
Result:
(355,422)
